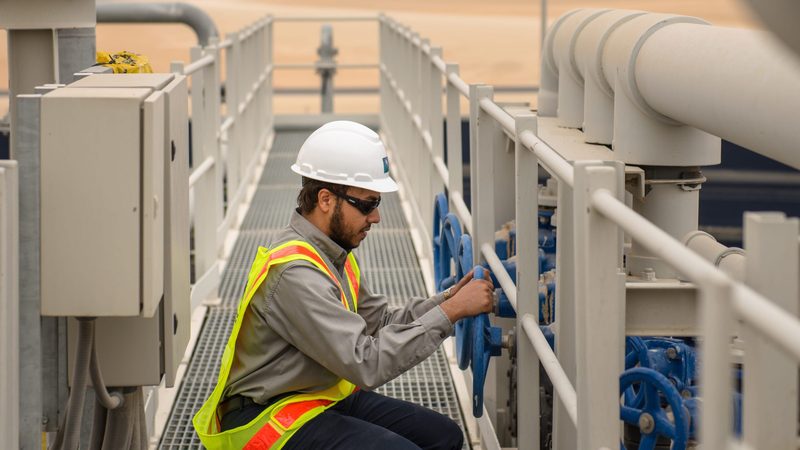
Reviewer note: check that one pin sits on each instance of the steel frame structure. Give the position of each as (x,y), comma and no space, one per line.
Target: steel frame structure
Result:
(596,305)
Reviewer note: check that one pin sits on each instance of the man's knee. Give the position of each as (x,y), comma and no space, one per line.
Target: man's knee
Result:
(457,436)
(451,435)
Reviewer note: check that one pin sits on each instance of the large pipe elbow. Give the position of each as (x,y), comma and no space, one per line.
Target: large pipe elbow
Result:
(570,77)
(598,102)
(547,99)
(191,15)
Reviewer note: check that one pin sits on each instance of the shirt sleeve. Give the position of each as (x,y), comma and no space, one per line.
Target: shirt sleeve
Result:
(304,308)
(375,309)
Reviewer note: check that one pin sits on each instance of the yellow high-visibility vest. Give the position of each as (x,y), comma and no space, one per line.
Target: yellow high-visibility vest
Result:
(278,422)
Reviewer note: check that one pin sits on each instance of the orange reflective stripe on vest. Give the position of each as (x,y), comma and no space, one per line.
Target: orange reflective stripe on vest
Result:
(309,252)
(353,275)
(278,422)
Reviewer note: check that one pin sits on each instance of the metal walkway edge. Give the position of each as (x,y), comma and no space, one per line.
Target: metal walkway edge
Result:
(387,259)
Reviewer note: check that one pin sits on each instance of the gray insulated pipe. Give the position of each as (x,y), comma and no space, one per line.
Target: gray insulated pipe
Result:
(191,15)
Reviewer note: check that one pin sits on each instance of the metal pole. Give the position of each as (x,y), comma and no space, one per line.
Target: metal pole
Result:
(543,26)
(326,67)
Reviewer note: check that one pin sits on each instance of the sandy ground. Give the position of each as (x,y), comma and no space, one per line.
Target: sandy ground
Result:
(494,42)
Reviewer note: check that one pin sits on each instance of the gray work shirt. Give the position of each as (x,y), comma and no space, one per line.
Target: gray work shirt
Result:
(296,336)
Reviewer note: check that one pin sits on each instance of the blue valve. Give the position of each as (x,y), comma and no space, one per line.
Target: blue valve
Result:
(441,263)
(651,419)
(672,358)
(450,239)
(464,262)
(487,342)
(503,307)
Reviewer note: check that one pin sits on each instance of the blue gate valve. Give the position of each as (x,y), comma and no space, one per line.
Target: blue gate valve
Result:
(502,305)
(651,418)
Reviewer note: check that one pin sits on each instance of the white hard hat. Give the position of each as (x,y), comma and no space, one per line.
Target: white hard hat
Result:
(348,153)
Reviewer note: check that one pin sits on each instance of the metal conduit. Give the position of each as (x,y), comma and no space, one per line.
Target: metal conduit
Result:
(191,15)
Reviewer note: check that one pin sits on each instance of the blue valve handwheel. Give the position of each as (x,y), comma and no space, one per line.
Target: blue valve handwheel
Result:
(449,241)
(464,326)
(464,342)
(440,263)
(487,342)
(651,419)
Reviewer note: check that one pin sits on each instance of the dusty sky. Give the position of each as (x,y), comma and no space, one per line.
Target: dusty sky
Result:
(495,42)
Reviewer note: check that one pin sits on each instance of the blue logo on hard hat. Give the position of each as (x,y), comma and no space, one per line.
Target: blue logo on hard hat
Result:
(385,164)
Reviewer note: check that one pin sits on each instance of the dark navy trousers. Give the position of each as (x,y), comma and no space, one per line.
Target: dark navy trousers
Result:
(366,420)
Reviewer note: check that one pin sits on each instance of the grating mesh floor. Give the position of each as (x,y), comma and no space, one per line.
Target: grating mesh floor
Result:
(387,259)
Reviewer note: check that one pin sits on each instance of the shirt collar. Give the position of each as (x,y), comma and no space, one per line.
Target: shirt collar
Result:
(314,236)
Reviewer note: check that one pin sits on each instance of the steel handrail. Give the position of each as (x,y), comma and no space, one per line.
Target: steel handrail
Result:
(201,63)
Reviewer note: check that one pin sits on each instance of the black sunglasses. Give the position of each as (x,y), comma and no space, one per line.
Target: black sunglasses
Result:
(364,206)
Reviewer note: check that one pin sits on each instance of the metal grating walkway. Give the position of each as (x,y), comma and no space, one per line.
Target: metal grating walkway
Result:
(387,258)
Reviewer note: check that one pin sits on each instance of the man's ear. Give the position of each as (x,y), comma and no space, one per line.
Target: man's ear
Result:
(325,201)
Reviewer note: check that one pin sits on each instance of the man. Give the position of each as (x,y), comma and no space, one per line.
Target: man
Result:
(311,340)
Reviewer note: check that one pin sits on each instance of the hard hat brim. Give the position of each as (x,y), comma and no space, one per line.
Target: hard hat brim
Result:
(384,185)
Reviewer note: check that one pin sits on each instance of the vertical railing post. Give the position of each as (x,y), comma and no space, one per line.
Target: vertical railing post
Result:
(428,172)
(484,213)
(424,92)
(600,304)
(270,71)
(455,159)
(482,171)
(716,317)
(213,122)
(413,92)
(205,232)
(9,305)
(770,376)
(263,109)
(382,42)
(565,434)
(234,145)
(526,206)
(474,108)
(435,119)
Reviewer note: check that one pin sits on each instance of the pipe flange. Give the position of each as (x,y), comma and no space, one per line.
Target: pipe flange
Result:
(727,252)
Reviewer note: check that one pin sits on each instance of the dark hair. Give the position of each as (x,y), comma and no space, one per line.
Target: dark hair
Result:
(307,198)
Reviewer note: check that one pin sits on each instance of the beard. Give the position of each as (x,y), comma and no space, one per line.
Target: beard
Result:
(348,240)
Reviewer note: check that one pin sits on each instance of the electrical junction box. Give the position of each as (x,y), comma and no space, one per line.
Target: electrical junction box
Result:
(136,350)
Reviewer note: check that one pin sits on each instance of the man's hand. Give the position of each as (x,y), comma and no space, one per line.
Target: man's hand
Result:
(472,297)
(461,283)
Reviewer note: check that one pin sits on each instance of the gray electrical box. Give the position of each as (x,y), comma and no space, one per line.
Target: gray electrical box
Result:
(135,351)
